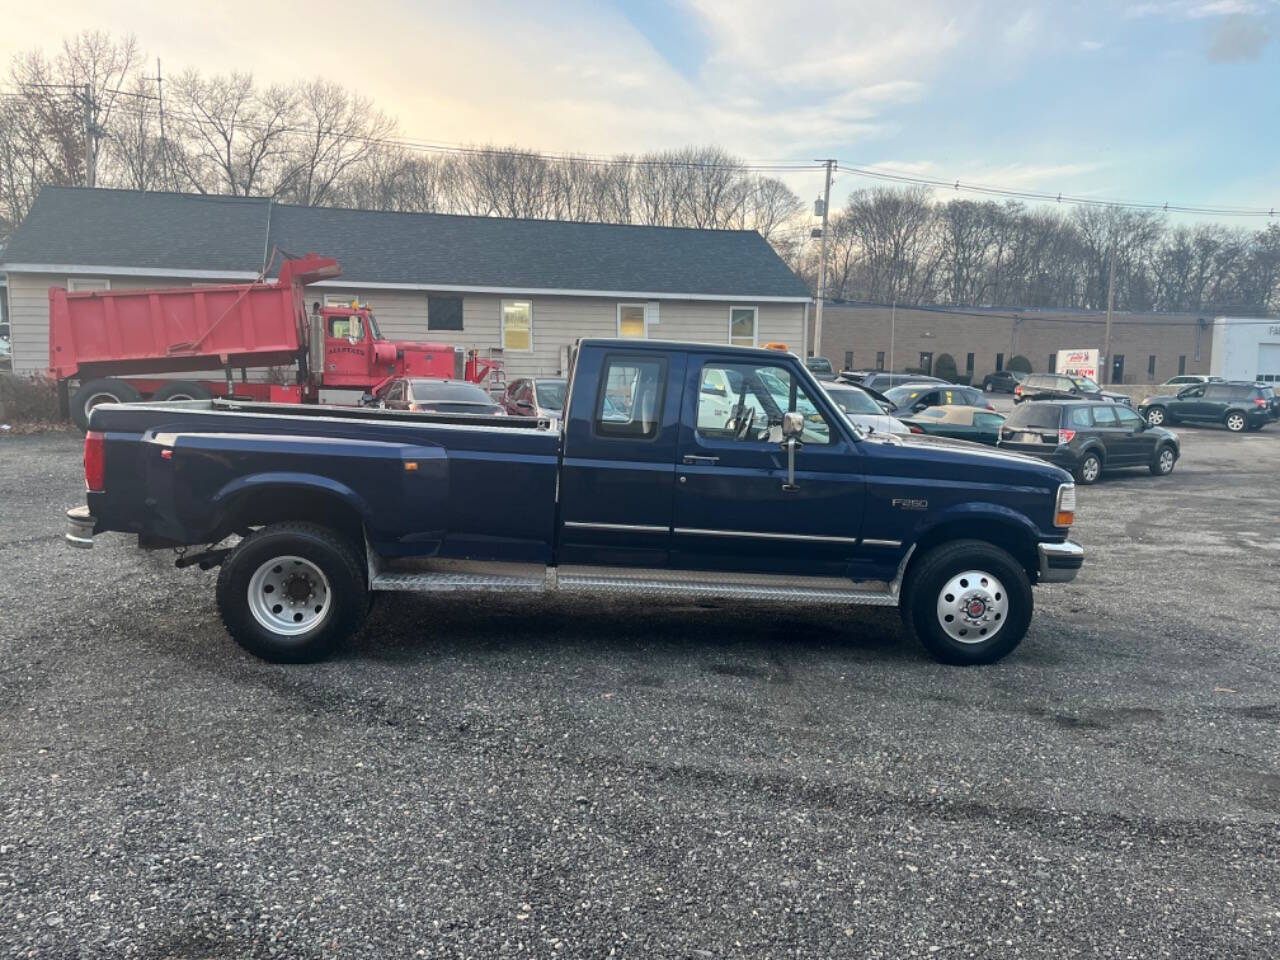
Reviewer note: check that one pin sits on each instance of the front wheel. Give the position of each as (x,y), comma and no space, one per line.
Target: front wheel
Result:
(1155,416)
(968,602)
(290,593)
(1235,421)
(1163,462)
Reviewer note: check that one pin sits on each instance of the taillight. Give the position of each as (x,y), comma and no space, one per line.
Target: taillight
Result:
(95,461)
(991,407)
(1259,401)
(1066,436)
(913,428)
(1018,390)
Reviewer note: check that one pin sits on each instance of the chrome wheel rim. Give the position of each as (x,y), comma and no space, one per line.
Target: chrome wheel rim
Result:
(179,396)
(1166,460)
(97,400)
(1090,469)
(289,595)
(1155,417)
(973,607)
(1235,422)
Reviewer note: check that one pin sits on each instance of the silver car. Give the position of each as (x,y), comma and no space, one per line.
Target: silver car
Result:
(863,409)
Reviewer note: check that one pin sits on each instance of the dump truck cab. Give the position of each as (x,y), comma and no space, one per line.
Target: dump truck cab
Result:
(356,355)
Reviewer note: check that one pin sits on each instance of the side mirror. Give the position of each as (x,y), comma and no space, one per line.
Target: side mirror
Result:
(792,425)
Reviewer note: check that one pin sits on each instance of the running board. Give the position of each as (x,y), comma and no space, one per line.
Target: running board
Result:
(436,576)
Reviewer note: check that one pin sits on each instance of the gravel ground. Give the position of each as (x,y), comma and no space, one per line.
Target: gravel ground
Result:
(493,778)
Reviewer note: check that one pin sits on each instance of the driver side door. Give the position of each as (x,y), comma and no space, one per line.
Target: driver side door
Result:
(1190,404)
(732,508)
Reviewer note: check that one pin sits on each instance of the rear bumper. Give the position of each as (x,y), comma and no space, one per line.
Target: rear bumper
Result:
(1060,562)
(80,524)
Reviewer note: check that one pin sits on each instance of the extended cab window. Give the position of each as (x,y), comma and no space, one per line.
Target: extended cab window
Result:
(746,402)
(630,402)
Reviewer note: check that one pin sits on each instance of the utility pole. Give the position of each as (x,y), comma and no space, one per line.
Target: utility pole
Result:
(164,144)
(822,262)
(1111,299)
(90,161)
(893,324)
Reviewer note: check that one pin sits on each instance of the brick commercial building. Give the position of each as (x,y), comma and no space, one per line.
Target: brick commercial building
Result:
(1146,348)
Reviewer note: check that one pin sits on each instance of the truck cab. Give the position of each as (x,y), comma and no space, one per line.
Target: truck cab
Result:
(357,355)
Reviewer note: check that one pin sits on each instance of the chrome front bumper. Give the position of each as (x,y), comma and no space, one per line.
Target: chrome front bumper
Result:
(79,531)
(1060,562)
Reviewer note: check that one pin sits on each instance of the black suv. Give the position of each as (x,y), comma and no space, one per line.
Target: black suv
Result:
(1237,406)
(1088,436)
(1058,386)
(1003,381)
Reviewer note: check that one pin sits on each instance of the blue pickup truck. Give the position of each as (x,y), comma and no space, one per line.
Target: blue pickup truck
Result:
(680,469)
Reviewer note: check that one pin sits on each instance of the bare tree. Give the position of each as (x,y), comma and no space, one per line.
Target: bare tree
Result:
(336,132)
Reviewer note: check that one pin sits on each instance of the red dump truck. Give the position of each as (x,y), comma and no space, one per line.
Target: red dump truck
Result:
(128,345)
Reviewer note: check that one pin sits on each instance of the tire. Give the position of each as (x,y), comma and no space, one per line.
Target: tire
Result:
(275,562)
(990,576)
(1156,416)
(95,392)
(1235,421)
(182,390)
(988,387)
(1090,468)
(1163,462)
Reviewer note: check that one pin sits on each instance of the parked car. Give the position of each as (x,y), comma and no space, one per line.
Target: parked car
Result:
(1002,381)
(1237,406)
(821,368)
(627,495)
(438,396)
(1183,379)
(883,381)
(911,398)
(960,422)
(863,408)
(1086,437)
(535,397)
(1058,386)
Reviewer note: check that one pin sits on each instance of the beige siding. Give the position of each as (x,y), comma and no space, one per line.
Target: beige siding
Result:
(557,320)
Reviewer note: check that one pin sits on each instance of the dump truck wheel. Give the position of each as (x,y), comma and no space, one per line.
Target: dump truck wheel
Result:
(97,392)
(182,390)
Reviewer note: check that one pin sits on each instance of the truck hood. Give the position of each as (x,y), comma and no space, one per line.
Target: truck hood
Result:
(968,455)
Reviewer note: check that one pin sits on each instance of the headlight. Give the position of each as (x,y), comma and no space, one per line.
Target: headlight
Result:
(1065,507)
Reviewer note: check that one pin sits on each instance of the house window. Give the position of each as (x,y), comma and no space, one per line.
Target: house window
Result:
(444,313)
(968,363)
(1151,368)
(517,325)
(631,321)
(926,363)
(879,359)
(78,284)
(848,359)
(1182,364)
(1053,362)
(999,361)
(742,326)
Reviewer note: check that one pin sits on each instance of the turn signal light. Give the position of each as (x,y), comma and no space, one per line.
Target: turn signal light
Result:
(1066,436)
(95,461)
(1065,508)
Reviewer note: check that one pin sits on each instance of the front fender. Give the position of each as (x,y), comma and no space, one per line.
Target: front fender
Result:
(968,514)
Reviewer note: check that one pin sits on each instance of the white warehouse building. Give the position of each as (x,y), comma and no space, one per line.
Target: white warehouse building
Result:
(1246,348)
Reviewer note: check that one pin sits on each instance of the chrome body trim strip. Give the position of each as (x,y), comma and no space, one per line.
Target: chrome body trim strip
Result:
(622,527)
(750,534)
(872,542)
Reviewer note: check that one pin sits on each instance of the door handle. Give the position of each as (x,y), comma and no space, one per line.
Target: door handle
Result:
(692,460)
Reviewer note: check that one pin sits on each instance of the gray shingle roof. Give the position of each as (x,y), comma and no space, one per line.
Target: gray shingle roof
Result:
(125,228)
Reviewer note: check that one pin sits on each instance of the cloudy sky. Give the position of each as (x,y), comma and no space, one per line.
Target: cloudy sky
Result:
(1158,101)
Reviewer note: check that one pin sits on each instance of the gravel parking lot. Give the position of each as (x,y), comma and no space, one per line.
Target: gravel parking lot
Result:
(486,778)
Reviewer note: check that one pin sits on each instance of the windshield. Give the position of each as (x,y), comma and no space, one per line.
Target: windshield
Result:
(1087,385)
(900,395)
(373,328)
(852,400)
(431,390)
(551,393)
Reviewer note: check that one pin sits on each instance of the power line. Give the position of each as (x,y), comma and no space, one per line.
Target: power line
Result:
(988,190)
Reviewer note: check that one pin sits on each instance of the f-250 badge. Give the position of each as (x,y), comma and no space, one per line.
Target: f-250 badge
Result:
(910,504)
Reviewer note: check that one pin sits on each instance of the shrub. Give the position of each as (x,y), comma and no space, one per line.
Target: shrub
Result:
(944,368)
(1019,364)
(27,399)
